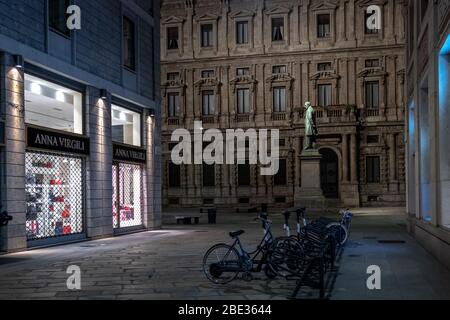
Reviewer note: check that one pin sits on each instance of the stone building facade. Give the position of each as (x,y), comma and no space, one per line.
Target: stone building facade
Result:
(428,135)
(76,106)
(253,64)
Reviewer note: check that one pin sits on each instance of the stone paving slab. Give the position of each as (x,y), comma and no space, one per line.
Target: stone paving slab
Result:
(166,264)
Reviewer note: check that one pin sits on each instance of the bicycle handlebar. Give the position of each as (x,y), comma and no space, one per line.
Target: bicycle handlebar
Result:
(287,215)
(263,218)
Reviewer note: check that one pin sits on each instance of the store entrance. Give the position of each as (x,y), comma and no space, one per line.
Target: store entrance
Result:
(54,195)
(128,195)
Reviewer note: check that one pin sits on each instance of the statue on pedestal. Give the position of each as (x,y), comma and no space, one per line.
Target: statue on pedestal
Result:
(310,127)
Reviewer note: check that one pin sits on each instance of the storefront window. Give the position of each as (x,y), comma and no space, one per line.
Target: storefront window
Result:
(126,126)
(54,196)
(127,195)
(53,106)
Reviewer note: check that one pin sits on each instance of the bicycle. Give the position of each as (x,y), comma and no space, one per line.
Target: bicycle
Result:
(340,229)
(222,263)
(312,240)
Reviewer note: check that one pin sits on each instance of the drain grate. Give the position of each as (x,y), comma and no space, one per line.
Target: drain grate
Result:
(370,238)
(391,241)
(92,245)
(8,260)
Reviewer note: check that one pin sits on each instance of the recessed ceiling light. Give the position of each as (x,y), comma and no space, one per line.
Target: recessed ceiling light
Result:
(60,96)
(36,88)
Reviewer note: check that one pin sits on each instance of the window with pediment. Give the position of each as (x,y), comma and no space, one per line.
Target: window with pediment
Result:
(207,38)
(173,92)
(373,87)
(325,85)
(277,25)
(323,25)
(241,28)
(207,98)
(243,87)
(171,32)
(280,93)
(364,33)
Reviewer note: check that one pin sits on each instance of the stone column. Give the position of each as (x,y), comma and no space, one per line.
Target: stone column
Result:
(99,165)
(351,20)
(297,150)
(191,183)
(304,26)
(259,93)
(392,157)
(224,181)
(393,183)
(389,29)
(345,163)
(198,181)
(12,155)
(351,83)
(353,159)
(189,34)
(349,191)
(340,14)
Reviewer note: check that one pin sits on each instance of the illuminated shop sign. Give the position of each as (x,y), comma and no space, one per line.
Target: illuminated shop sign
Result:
(126,153)
(56,141)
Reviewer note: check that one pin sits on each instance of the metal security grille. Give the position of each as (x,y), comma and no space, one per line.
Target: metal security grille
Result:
(127,195)
(54,195)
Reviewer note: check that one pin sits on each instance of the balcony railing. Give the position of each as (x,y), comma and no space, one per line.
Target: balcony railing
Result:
(333,114)
(173,121)
(208,119)
(372,112)
(243,117)
(279,116)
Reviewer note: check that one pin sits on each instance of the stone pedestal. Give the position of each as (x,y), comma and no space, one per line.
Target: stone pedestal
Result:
(310,194)
(349,195)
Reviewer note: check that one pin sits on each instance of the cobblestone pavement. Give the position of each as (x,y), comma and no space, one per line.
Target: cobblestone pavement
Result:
(166,264)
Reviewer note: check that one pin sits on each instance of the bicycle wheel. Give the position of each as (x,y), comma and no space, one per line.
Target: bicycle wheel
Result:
(268,271)
(221,264)
(339,232)
(285,256)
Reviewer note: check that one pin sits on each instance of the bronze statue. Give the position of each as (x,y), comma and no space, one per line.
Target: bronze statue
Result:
(310,127)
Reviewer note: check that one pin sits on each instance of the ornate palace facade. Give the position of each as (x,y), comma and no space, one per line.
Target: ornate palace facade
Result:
(253,64)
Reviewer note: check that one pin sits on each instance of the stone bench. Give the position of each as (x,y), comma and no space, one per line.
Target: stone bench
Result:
(246,209)
(187,219)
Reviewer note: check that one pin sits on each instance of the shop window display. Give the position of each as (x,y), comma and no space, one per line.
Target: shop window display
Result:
(127,195)
(54,196)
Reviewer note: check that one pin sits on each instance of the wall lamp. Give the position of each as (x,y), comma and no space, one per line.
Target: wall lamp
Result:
(104,94)
(18,61)
(151,113)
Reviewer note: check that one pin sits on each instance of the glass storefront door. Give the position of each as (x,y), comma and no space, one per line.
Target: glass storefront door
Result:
(127,195)
(54,195)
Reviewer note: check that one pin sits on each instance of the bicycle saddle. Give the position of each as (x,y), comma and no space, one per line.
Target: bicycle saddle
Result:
(236,233)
